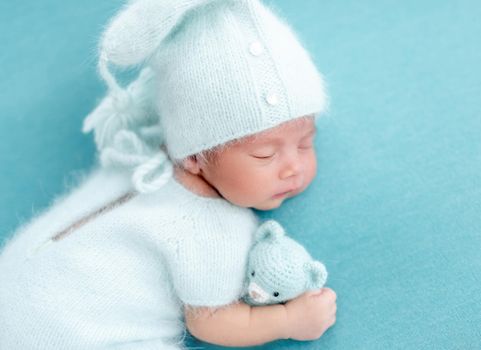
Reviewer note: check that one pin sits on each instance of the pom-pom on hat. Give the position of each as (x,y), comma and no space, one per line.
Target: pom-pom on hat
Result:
(213,71)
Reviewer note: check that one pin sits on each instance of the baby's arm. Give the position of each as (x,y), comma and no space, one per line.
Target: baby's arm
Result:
(306,317)
(238,324)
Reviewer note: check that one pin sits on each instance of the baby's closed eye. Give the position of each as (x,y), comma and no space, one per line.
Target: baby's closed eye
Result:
(305,144)
(263,153)
(263,156)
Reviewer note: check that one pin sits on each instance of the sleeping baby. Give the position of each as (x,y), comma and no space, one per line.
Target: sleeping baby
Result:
(155,240)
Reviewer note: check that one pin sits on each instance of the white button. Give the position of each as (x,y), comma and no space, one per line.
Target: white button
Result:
(256,48)
(272,99)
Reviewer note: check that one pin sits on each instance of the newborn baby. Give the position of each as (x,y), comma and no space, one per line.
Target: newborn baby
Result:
(155,240)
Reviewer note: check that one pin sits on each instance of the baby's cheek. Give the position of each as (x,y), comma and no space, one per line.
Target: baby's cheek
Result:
(249,185)
(311,169)
(258,185)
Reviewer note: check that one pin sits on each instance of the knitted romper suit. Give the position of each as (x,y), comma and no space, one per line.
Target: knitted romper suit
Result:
(121,279)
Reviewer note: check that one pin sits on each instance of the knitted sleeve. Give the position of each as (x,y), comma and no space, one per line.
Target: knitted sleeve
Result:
(207,266)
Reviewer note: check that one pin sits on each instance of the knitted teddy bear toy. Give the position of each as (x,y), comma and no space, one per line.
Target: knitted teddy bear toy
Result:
(279,268)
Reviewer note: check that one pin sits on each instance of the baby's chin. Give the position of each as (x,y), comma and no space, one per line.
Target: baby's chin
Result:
(273,203)
(269,205)
(266,204)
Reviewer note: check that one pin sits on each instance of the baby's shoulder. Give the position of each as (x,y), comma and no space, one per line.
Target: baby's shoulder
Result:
(204,221)
(176,207)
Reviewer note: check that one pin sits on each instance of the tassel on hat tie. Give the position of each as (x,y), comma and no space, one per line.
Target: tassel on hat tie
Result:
(127,133)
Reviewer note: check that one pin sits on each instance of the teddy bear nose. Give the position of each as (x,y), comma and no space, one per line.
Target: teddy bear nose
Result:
(254,294)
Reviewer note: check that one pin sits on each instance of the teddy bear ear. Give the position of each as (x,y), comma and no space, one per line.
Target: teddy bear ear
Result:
(316,274)
(270,231)
(134,33)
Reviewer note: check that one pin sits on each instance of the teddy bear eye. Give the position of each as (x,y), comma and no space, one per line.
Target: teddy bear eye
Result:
(253,273)
(276,294)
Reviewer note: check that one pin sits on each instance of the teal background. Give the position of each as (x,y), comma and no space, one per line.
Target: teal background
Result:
(394,211)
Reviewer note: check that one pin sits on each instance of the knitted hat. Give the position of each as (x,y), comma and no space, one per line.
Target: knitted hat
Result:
(212,71)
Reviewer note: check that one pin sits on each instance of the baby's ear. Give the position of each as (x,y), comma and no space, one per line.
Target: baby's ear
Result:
(191,164)
(316,274)
(134,33)
(269,231)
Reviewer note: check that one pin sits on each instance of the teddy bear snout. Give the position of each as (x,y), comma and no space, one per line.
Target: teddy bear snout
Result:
(254,294)
(257,293)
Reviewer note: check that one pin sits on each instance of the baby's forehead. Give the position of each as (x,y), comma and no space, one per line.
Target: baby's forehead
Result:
(304,125)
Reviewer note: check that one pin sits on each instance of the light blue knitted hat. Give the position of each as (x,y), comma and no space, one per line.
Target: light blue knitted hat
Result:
(211,71)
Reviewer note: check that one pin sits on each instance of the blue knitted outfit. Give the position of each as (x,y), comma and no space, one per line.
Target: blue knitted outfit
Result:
(120,280)
(88,275)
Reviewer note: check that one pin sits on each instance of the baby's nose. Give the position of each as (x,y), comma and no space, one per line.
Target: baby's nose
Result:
(291,167)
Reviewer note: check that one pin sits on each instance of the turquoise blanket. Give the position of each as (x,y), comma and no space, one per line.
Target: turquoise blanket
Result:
(395,210)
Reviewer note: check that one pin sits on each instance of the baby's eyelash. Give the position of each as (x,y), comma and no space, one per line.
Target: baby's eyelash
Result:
(264,157)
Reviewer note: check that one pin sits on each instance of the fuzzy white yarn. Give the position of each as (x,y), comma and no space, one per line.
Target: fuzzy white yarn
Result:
(127,133)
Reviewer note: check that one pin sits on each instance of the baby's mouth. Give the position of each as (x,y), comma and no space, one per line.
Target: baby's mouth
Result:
(282,194)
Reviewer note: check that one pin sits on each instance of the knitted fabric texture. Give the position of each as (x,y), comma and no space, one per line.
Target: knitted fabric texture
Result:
(121,279)
(279,268)
(212,71)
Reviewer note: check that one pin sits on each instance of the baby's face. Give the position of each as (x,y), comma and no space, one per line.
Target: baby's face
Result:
(264,169)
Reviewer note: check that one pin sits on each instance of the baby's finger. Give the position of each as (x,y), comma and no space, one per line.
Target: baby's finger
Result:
(328,292)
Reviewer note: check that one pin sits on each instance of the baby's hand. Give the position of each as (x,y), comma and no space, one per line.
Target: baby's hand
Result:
(311,314)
